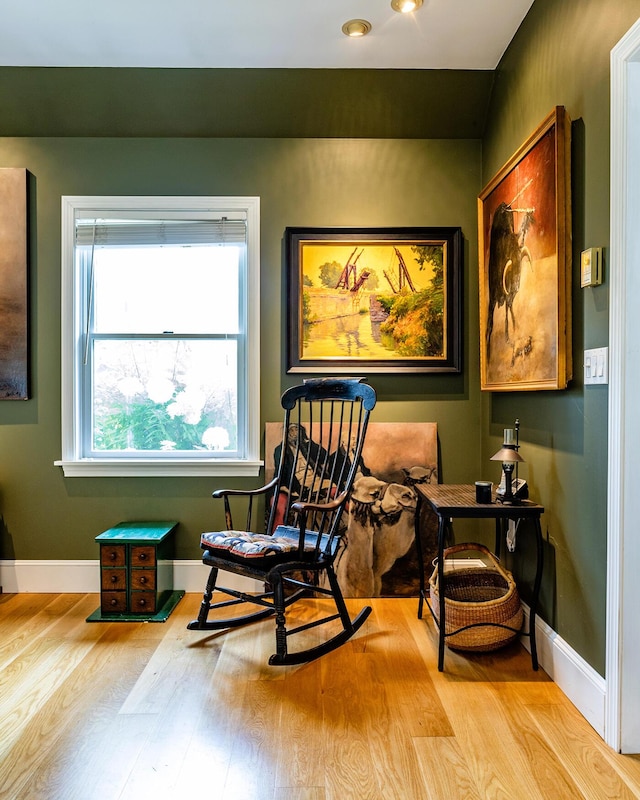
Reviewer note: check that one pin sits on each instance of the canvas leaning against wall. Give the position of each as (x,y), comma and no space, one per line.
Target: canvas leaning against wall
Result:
(13,285)
(380,557)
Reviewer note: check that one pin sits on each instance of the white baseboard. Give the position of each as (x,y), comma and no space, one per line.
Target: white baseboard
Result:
(584,687)
(578,681)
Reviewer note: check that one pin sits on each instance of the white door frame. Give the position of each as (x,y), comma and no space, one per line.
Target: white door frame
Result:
(622,711)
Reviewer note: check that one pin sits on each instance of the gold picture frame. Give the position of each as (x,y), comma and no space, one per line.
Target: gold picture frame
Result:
(524,250)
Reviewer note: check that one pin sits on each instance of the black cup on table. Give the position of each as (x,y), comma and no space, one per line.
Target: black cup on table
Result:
(483,491)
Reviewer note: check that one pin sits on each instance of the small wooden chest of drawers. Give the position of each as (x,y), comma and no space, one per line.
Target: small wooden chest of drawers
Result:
(136,572)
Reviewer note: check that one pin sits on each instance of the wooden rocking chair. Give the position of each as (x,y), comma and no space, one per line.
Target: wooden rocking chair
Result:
(325,423)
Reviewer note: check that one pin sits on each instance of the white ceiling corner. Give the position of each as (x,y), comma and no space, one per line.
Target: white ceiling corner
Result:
(443,34)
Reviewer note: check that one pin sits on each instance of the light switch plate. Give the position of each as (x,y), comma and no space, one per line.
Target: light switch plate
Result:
(591,267)
(596,365)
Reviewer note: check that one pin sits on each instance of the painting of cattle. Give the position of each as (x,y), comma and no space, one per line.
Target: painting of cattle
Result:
(13,284)
(379,554)
(524,225)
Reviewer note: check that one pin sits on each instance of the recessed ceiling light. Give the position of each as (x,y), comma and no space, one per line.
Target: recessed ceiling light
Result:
(356,27)
(405,6)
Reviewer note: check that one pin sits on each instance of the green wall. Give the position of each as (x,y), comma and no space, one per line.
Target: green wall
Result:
(303,182)
(560,56)
(261,103)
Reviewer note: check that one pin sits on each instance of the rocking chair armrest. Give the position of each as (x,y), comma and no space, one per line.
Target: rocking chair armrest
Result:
(218,493)
(302,506)
(225,494)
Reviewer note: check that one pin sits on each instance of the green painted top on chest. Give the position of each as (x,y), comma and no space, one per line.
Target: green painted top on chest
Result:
(138,532)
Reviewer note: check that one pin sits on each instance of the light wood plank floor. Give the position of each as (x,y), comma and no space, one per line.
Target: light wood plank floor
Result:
(115,711)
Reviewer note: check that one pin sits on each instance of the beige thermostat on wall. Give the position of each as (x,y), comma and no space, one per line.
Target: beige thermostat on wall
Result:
(591,267)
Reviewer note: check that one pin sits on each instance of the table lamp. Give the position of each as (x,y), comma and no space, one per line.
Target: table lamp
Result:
(509,456)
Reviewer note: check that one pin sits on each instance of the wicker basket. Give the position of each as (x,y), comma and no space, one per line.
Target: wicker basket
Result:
(483,601)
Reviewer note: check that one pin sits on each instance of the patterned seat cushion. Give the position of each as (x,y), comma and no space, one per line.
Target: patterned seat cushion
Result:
(242,545)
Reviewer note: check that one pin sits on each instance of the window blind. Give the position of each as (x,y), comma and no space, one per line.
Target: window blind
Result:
(132,232)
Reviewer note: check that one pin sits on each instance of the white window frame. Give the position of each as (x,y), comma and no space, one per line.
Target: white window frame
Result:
(72,462)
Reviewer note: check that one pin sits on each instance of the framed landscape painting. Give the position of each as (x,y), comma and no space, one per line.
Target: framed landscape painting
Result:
(524,249)
(13,285)
(376,299)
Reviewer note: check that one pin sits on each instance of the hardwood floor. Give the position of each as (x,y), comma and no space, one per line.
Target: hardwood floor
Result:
(106,711)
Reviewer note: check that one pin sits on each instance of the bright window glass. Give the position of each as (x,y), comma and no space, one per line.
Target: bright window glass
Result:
(162,355)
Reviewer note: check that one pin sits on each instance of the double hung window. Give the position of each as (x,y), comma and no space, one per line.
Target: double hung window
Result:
(160,336)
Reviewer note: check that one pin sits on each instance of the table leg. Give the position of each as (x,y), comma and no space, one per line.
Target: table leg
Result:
(418,541)
(536,594)
(441,590)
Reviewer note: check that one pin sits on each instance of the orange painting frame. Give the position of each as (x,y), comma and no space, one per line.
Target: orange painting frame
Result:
(524,250)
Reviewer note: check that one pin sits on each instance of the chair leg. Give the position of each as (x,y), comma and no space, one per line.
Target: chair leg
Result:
(281,624)
(206,601)
(203,623)
(349,627)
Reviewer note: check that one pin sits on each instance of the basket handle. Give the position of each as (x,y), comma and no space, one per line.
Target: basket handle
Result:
(463,547)
(460,548)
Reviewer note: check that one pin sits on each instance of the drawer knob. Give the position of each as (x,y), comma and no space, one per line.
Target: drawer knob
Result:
(142,556)
(142,602)
(143,579)
(114,579)
(113,555)
(114,602)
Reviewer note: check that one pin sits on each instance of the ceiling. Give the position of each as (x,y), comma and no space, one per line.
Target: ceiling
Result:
(250,68)
(443,34)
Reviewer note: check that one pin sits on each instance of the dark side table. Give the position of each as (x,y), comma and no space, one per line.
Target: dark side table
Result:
(459,501)
(136,573)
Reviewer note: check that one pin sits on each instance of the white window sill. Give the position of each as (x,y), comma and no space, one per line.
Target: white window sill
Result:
(140,468)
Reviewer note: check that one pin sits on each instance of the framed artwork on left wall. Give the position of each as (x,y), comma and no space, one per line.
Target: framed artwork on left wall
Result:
(14,338)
